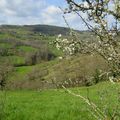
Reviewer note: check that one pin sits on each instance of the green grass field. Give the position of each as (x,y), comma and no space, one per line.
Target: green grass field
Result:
(5,45)
(14,60)
(27,49)
(57,104)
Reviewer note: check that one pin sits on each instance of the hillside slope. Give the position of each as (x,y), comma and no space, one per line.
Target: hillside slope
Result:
(36,63)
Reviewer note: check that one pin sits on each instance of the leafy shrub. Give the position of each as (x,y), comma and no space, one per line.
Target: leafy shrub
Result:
(3,52)
(30,59)
(37,73)
(5,69)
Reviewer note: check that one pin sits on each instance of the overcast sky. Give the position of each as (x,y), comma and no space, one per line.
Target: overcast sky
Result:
(27,12)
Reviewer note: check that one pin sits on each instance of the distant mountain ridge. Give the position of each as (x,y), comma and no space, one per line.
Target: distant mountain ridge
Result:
(44,29)
(48,29)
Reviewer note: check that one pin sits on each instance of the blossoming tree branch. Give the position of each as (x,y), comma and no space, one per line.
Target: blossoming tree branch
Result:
(106,44)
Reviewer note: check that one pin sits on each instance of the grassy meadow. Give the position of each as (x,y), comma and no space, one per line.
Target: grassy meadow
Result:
(58,104)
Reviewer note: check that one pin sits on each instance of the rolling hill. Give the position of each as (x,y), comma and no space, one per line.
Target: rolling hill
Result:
(35,59)
(44,29)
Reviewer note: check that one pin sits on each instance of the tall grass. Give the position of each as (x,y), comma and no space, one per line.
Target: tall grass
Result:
(59,105)
(2,105)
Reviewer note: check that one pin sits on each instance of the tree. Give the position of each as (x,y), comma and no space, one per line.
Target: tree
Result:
(106,44)
(5,69)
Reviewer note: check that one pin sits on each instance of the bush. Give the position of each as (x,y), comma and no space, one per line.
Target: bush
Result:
(30,59)
(5,69)
(37,73)
(3,52)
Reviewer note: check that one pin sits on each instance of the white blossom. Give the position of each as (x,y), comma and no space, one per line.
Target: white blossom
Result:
(59,35)
(109,59)
(86,5)
(111,80)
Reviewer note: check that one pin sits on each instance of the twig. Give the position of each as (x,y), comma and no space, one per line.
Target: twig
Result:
(91,104)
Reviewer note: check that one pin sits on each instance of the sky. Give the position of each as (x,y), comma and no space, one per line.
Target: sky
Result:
(30,12)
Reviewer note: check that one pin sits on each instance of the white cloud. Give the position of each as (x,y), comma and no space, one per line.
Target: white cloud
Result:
(9,12)
(51,15)
(34,12)
(52,10)
(3,3)
(71,17)
(21,7)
